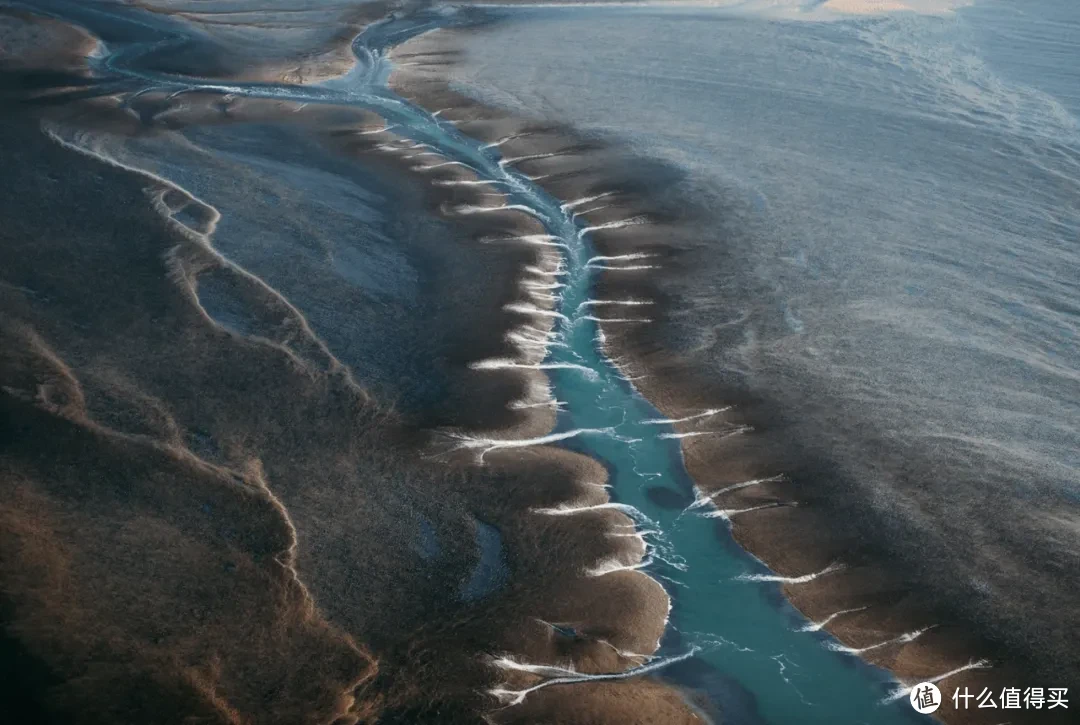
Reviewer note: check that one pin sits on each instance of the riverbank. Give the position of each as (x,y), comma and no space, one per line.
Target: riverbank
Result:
(213,341)
(772,495)
(374,316)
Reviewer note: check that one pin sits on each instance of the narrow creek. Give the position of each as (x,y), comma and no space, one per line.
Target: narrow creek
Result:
(730,632)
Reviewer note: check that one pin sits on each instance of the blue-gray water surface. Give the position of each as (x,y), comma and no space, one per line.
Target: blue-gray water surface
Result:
(898,212)
(909,198)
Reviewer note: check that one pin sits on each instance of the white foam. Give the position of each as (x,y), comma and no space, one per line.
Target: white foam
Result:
(728,514)
(631,222)
(430,167)
(516,697)
(619,257)
(509,663)
(902,639)
(905,690)
(530,157)
(519,339)
(696,433)
(372,131)
(500,142)
(491,444)
(528,309)
(631,268)
(593,318)
(568,206)
(625,303)
(533,269)
(702,499)
(468,182)
(668,421)
(613,564)
(569,509)
(522,405)
(593,209)
(541,286)
(474,209)
(818,626)
(505,363)
(831,568)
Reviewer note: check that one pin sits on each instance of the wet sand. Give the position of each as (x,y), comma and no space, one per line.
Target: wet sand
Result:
(237,424)
(877,599)
(217,502)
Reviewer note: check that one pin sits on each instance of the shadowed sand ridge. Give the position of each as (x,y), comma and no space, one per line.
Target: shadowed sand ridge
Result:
(227,288)
(756,471)
(220,498)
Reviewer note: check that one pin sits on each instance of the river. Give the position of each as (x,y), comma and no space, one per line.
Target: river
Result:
(730,632)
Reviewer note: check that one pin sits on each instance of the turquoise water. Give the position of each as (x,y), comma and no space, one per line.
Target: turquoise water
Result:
(744,630)
(751,656)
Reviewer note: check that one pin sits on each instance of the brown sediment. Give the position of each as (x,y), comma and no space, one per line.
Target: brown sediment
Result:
(641,701)
(892,611)
(31,42)
(288,45)
(214,517)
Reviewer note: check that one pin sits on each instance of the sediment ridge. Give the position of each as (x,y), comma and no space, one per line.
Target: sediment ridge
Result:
(255,472)
(398,539)
(782,500)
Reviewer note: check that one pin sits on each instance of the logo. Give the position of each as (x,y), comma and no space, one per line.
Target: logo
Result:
(925,697)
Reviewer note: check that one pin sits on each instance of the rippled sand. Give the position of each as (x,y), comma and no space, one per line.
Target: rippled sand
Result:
(237,360)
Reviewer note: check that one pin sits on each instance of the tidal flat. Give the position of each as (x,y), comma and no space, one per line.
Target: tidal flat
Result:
(427,363)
